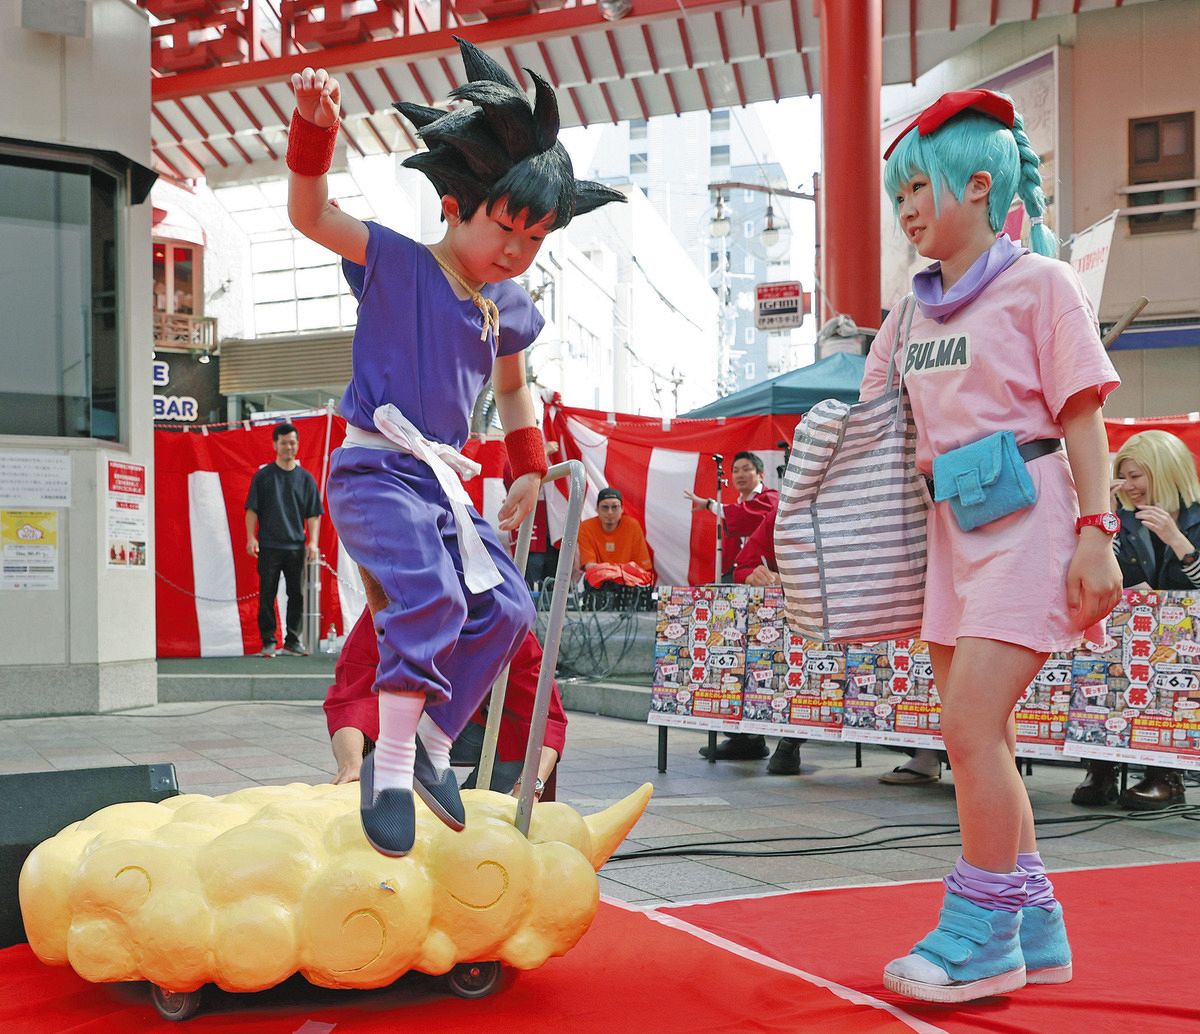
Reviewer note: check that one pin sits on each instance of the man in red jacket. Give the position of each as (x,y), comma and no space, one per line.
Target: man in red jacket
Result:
(741,519)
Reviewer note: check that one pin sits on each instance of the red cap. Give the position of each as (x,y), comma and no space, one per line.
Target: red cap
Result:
(986,102)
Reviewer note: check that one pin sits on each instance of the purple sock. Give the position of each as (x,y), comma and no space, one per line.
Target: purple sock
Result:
(1039,891)
(997,891)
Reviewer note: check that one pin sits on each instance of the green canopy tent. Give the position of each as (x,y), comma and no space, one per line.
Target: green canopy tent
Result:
(837,376)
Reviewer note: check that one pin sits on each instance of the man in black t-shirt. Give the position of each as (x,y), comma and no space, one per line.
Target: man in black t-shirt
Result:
(283,501)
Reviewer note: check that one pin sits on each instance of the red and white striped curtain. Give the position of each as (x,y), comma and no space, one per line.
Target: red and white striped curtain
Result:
(207,584)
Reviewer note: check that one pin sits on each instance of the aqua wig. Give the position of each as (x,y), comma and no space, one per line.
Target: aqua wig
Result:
(500,148)
(968,143)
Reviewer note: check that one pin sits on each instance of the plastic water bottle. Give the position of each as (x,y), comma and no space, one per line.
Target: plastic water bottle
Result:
(329,643)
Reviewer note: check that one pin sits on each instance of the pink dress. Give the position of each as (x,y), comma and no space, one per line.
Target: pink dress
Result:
(1006,361)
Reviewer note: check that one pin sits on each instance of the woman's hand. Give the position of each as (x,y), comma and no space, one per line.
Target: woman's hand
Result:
(318,96)
(1093,579)
(1163,525)
(521,499)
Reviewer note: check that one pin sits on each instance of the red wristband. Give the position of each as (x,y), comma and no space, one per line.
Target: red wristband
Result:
(526,452)
(310,148)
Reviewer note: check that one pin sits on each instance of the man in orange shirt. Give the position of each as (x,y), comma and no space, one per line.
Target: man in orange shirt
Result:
(612,537)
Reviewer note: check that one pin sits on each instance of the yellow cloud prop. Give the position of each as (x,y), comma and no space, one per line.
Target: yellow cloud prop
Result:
(246,889)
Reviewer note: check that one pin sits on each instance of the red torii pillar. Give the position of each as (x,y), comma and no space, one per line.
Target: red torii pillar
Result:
(851,81)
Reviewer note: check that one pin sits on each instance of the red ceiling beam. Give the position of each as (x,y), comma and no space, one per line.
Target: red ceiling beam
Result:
(394,96)
(774,81)
(737,82)
(721,37)
(258,126)
(608,103)
(228,128)
(284,119)
(169,164)
(179,140)
(518,71)
(994,13)
(798,35)
(618,61)
(404,129)
(651,53)
(583,61)
(1033,11)
(551,73)
(202,131)
(353,143)
(574,95)
(954,14)
(673,95)
(417,78)
(758,31)
(912,41)
(565,22)
(687,43)
(708,101)
(641,97)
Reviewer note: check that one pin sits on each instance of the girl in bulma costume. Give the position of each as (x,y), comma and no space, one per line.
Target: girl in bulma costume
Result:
(433,324)
(1026,358)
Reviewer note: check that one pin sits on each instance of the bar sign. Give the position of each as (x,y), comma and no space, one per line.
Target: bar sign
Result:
(779,306)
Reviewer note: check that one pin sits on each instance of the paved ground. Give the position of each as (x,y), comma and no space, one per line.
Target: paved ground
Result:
(218,747)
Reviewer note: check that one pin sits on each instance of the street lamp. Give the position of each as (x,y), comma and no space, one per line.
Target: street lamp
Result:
(770,234)
(720,225)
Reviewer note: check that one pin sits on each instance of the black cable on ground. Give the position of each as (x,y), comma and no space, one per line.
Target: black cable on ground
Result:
(726,849)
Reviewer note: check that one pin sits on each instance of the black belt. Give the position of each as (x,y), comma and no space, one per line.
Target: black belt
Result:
(1038,448)
(1030,451)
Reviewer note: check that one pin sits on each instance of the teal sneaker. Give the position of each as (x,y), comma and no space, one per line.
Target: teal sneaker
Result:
(1044,946)
(973,953)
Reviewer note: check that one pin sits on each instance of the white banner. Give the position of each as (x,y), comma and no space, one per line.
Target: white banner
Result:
(1089,256)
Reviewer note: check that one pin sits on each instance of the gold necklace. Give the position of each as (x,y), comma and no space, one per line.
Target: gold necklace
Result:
(487,307)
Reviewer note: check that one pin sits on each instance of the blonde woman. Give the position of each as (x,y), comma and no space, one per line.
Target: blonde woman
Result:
(1158,502)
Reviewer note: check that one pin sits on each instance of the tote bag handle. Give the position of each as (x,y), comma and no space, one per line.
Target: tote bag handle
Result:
(908,308)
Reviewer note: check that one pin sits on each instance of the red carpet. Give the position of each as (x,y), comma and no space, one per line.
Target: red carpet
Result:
(628,974)
(1132,934)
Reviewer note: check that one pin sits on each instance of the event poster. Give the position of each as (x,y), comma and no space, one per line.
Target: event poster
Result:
(700,657)
(725,659)
(890,695)
(127,514)
(794,686)
(29,549)
(1137,698)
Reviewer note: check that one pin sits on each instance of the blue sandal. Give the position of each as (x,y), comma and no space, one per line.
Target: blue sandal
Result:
(973,953)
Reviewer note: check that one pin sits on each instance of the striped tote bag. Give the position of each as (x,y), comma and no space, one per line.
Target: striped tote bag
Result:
(850,532)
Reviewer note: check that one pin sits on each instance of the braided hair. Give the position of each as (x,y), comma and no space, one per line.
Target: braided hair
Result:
(499,148)
(973,142)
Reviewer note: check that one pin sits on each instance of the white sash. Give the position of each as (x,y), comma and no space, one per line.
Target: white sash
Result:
(399,434)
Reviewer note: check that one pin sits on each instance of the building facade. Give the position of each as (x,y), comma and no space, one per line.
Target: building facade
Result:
(76,444)
(1116,129)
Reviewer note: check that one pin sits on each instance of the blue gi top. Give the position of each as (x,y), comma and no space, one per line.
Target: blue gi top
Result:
(417,343)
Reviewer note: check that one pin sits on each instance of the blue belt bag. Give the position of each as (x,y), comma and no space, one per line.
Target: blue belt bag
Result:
(983,481)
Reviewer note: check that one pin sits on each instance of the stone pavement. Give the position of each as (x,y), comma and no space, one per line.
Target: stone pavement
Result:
(217,747)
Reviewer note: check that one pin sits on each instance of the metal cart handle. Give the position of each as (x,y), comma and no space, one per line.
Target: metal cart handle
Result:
(577,484)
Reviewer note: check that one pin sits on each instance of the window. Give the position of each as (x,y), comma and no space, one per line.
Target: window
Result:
(748,371)
(59,298)
(175,281)
(748,264)
(638,163)
(298,287)
(718,154)
(637,129)
(719,121)
(748,229)
(748,336)
(1161,149)
(714,261)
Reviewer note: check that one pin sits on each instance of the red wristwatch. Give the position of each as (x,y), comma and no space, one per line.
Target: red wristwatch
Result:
(1109,523)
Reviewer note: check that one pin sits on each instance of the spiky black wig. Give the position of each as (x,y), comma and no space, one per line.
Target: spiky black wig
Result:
(501,148)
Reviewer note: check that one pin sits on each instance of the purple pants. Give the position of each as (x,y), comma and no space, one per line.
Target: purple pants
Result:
(435,636)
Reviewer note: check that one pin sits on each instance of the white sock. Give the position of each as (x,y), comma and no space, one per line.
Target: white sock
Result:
(924,761)
(435,742)
(396,748)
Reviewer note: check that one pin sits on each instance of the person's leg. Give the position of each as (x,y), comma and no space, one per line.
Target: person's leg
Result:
(293,580)
(270,563)
(496,623)
(976,950)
